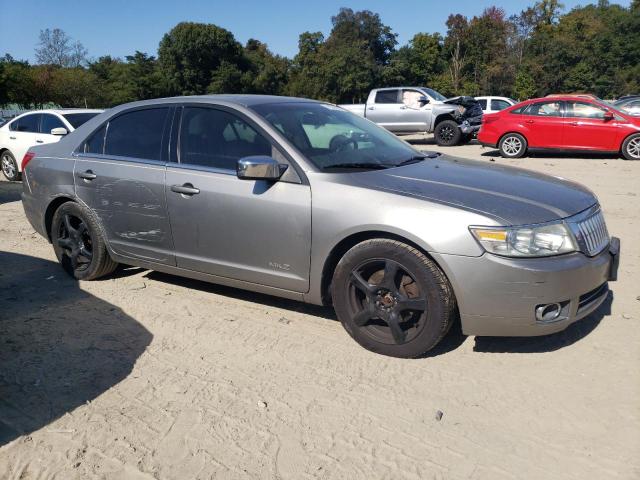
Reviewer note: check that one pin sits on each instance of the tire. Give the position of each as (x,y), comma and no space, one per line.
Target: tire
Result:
(9,166)
(447,133)
(78,243)
(631,147)
(513,145)
(392,299)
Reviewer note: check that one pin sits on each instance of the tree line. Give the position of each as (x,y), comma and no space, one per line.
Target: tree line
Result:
(541,50)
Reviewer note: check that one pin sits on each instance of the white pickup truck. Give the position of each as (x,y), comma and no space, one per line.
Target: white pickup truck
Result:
(420,109)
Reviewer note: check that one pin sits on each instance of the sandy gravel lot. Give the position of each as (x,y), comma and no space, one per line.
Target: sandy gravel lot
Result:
(144,375)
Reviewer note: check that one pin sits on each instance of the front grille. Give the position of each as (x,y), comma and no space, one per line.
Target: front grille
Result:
(592,233)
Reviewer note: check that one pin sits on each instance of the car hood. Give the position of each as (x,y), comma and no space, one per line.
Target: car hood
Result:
(511,196)
(461,100)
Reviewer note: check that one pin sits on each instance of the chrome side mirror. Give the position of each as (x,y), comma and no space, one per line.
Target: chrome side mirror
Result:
(259,167)
(59,131)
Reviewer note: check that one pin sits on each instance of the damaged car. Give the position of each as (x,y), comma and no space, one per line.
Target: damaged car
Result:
(303,200)
(405,110)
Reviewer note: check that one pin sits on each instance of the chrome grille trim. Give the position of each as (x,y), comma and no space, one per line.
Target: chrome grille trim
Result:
(590,231)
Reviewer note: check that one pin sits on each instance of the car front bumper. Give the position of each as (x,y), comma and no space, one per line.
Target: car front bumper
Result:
(466,127)
(498,296)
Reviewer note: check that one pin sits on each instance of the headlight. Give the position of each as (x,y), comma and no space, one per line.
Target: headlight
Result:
(526,241)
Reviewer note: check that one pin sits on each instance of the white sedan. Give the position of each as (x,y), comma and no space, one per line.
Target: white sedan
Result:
(35,128)
(495,104)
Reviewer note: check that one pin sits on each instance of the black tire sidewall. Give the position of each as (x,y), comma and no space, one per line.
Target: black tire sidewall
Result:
(457,136)
(522,151)
(625,145)
(431,282)
(101,263)
(15,164)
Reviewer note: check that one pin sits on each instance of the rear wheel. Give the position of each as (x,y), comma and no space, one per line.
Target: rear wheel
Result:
(631,147)
(9,166)
(447,133)
(78,243)
(392,299)
(512,145)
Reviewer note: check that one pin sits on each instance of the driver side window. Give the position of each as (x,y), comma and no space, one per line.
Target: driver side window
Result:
(218,139)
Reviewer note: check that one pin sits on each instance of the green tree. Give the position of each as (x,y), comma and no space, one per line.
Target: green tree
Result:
(191,53)
(268,73)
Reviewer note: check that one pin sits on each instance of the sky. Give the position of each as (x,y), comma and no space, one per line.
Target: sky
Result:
(120,27)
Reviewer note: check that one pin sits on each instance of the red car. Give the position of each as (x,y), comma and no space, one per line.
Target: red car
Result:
(561,123)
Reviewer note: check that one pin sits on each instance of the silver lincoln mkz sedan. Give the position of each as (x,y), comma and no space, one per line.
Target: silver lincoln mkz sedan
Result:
(303,200)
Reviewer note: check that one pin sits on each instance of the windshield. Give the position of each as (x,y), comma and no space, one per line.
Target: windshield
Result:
(77,119)
(332,138)
(433,94)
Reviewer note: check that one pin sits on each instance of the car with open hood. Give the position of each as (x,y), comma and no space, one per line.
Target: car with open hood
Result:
(304,200)
(403,110)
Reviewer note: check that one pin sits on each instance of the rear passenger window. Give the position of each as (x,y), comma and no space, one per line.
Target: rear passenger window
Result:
(137,134)
(498,105)
(49,122)
(217,139)
(28,123)
(545,109)
(95,143)
(387,96)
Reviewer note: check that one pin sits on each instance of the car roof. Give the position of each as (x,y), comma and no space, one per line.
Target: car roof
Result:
(244,100)
(62,111)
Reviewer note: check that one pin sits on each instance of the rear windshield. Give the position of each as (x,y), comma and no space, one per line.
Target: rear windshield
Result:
(77,119)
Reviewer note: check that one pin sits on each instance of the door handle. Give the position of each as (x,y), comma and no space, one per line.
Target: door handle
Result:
(186,189)
(371,108)
(12,138)
(529,121)
(88,175)
(39,141)
(403,107)
(575,124)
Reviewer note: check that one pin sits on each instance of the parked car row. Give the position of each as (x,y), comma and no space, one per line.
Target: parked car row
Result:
(35,128)
(304,200)
(558,122)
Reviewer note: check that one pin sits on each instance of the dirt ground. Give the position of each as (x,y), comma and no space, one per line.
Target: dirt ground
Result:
(145,375)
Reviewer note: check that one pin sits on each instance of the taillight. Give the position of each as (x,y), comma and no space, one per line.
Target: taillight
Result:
(489,119)
(26,159)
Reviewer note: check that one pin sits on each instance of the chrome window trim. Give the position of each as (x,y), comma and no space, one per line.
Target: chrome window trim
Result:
(117,158)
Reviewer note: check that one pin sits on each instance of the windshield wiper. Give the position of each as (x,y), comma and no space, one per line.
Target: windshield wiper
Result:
(372,166)
(418,158)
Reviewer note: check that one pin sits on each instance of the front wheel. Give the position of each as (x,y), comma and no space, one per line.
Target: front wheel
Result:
(9,166)
(78,243)
(631,147)
(512,145)
(447,133)
(392,299)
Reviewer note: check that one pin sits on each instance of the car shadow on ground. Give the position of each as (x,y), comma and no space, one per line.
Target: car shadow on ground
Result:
(450,342)
(60,347)
(548,343)
(246,295)
(10,191)
(454,338)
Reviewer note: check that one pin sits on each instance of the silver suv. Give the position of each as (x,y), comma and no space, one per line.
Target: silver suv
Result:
(303,200)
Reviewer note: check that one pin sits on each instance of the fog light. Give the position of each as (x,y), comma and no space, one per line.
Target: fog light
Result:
(548,312)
